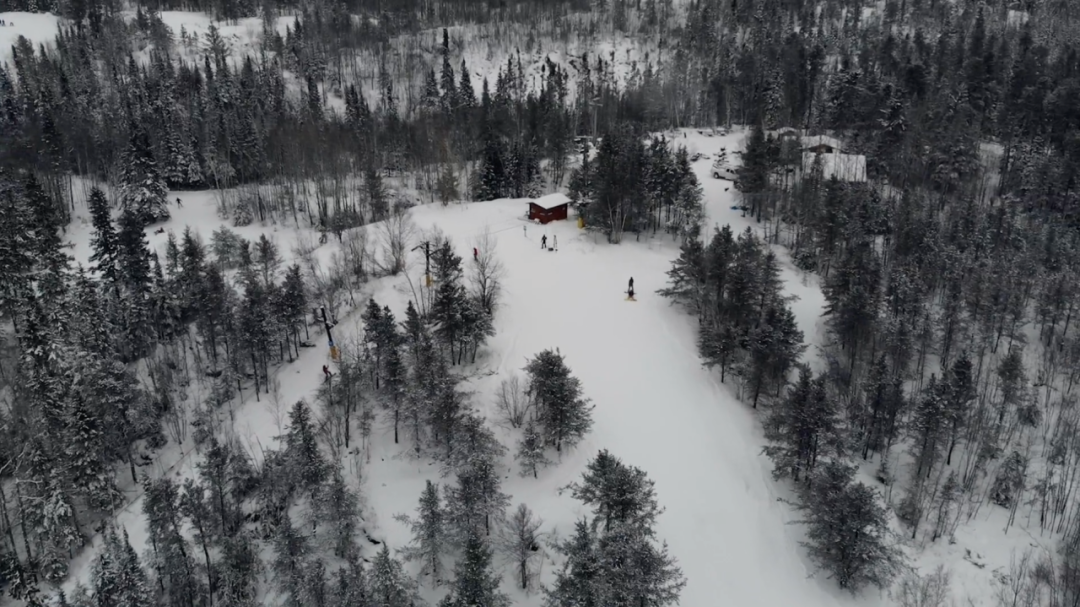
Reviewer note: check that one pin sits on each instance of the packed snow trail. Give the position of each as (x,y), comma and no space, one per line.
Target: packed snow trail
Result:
(656,407)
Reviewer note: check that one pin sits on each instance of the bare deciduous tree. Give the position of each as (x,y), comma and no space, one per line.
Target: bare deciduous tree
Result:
(513,403)
(326,286)
(522,544)
(395,235)
(354,253)
(930,590)
(1018,587)
(487,272)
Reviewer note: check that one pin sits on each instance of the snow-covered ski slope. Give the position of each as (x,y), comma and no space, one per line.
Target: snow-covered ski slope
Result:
(38,28)
(656,407)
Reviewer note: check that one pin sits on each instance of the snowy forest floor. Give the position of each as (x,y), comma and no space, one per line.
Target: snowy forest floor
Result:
(656,406)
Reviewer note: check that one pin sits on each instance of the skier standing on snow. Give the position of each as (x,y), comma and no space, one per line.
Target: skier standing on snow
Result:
(179,204)
(326,371)
(543,242)
(631,286)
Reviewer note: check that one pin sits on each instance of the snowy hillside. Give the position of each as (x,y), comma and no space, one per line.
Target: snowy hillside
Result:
(38,28)
(656,406)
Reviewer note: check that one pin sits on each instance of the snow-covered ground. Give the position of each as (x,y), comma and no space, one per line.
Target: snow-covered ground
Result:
(38,28)
(656,407)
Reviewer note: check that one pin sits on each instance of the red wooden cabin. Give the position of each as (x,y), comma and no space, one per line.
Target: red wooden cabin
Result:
(549,208)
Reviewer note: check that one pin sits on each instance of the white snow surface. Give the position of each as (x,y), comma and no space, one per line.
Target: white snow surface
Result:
(38,28)
(656,406)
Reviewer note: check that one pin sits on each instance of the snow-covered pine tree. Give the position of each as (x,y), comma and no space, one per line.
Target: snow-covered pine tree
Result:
(238,569)
(466,94)
(117,577)
(446,77)
(309,468)
(473,441)
(390,586)
(475,581)
(135,274)
(291,552)
(430,97)
(338,506)
(805,428)
(531,453)
(197,510)
(476,328)
(104,243)
(686,278)
(353,584)
(614,559)
(451,299)
(563,413)
(429,533)
(142,190)
(580,186)
(395,385)
(580,580)
(774,345)
(688,212)
(491,176)
(170,552)
(848,531)
(476,503)
(618,493)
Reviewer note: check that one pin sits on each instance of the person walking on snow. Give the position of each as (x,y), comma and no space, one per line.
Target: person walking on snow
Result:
(179,204)
(631,286)
(326,371)
(543,242)
(475,254)
(555,242)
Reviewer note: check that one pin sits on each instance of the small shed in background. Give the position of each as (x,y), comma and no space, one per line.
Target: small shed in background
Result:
(549,208)
(845,167)
(821,144)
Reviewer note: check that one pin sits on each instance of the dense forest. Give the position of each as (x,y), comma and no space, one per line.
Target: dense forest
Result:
(950,277)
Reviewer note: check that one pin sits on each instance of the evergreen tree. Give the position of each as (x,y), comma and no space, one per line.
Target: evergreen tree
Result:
(848,530)
(579,581)
(104,243)
(308,466)
(531,450)
(339,507)
(614,559)
(446,77)
(170,550)
(806,427)
(476,502)
(618,494)
(564,415)
(429,533)
(117,577)
(352,588)
(142,187)
(475,583)
(390,586)
(491,176)
(291,553)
